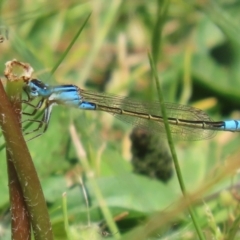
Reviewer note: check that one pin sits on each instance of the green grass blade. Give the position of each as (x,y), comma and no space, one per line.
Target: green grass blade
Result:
(70,45)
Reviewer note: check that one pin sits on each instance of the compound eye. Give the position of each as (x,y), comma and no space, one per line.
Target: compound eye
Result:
(33,89)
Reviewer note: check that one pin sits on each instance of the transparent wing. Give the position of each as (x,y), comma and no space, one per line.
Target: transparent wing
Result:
(153,108)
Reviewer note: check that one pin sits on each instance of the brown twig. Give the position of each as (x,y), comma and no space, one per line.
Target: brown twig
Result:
(23,178)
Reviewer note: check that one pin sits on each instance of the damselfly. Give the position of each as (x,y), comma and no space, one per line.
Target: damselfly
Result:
(186,122)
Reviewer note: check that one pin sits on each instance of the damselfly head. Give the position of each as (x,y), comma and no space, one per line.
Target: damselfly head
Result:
(35,88)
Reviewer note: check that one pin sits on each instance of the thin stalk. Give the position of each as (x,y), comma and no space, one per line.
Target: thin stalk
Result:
(156,45)
(100,198)
(173,151)
(65,216)
(162,9)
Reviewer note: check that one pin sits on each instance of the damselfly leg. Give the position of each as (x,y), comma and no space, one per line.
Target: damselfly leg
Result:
(42,124)
(35,107)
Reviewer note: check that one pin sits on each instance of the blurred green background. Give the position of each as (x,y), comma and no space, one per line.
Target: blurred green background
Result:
(198,65)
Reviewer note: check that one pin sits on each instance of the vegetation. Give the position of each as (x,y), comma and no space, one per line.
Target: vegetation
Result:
(83,161)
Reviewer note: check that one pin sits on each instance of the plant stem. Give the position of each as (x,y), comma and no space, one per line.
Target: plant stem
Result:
(27,175)
(21,224)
